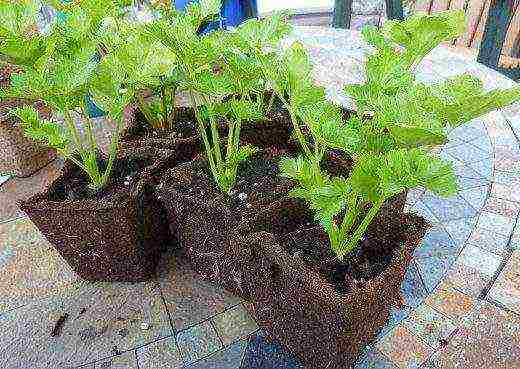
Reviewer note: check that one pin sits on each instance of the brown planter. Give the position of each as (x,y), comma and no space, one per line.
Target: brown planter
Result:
(113,237)
(19,155)
(325,328)
(135,135)
(206,223)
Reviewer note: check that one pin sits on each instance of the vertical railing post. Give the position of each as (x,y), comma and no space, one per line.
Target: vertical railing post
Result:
(394,9)
(342,13)
(495,31)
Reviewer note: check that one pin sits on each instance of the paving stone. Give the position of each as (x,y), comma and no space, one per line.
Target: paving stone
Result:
(233,324)
(189,299)
(464,183)
(489,241)
(506,288)
(198,342)
(495,222)
(484,261)
(413,289)
(434,269)
(404,348)
(264,353)
(30,267)
(451,208)
(483,167)
(507,159)
(4,179)
(162,354)
(489,340)
(229,358)
(414,195)
(476,196)
(502,207)
(420,209)
(124,361)
(374,359)
(431,326)
(436,242)
(397,315)
(17,189)
(506,186)
(101,317)
(482,142)
(467,153)
(459,230)
(470,131)
(467,279)
(450,302)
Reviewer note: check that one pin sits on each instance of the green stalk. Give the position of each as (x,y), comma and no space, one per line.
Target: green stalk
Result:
(171,116)
(202,131)
(145,110)
(350,216)
(164,122)
(361,229)
(112,152)
(73,130)
(214,136)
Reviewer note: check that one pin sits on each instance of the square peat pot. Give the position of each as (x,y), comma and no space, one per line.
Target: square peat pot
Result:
(325,328)
(115,235)
(19,155)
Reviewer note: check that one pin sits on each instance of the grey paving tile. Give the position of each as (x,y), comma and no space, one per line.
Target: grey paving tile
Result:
(476,196)
(101,318)
(124,361)
(162,354)
(460,229)
(229,358)
(189,299)
(198,342)
(451,208)
(489,240)
(495,222)
(234,324)
(413,288)
(436,242)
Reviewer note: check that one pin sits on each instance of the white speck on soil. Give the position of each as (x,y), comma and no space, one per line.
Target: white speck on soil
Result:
(145,326)
(242,196)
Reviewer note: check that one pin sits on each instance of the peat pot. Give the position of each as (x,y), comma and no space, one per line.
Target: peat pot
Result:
(19,156)
(116,234)
(324,311)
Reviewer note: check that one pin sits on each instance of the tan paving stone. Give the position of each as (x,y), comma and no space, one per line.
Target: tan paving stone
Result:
(30,267)
(506,289)
(451,302)
(17,189)
(490,339)
(103,319)
(234,324)
(404,348)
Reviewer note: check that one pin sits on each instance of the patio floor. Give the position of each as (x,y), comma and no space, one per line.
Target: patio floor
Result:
(461,294)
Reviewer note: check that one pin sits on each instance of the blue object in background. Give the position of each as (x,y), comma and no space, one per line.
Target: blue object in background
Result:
(233,12)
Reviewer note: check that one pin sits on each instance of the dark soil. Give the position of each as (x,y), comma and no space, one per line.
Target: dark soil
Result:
(124,178)
(184,126)
(258,185)
(297,232)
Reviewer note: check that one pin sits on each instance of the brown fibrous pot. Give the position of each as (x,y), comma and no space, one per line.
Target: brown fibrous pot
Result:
(116,236)
(19,155)
(296,305)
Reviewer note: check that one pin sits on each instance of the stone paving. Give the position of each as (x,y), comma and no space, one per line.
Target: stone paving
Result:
(461,295)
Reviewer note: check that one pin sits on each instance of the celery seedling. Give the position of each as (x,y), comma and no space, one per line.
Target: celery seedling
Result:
(61,76)
(390,153)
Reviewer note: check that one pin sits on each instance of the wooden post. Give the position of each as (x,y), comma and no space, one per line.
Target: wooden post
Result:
(342,13)
(497,23)
(394,9)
